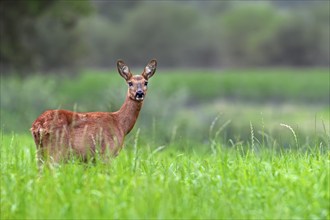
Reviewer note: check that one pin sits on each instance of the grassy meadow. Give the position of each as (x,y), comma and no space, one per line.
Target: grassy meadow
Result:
(244,144)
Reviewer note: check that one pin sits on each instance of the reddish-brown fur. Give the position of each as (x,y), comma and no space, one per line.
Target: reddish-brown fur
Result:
(60,133)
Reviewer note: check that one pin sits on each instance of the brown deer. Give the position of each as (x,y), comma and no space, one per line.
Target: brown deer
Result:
(58,134)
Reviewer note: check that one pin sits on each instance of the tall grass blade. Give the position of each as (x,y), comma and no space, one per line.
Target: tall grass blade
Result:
(293,133)
(135,147)
(252,136)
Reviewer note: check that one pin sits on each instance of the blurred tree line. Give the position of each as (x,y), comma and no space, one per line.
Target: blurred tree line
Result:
(50,36)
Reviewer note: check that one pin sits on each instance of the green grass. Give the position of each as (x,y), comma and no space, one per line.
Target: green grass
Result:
(254,183)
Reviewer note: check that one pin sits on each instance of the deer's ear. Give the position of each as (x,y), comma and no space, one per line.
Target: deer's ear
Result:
(150,69)
(123,70)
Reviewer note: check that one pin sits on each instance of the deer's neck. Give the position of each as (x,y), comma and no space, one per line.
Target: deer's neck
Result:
(128,113)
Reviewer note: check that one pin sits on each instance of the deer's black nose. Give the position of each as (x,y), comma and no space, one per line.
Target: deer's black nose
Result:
(139,94)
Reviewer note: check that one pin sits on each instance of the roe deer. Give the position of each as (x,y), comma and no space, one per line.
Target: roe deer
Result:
(61,133)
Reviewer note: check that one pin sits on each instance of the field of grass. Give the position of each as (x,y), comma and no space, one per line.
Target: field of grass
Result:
(244,144)
(145,183)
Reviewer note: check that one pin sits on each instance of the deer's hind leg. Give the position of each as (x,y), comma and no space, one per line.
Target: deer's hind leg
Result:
(51,146)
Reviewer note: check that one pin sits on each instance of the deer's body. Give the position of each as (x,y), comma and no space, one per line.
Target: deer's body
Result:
(61,133)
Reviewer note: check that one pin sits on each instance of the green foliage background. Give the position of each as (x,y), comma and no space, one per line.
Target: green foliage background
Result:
(182,104)
(64,36)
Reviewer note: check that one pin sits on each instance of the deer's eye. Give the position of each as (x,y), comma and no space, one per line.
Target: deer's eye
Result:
(130,84)
(145,83)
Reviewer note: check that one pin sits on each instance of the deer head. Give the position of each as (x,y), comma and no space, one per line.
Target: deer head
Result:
(137,84)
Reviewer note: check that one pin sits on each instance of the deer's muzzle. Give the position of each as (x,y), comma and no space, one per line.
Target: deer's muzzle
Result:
(139,96)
